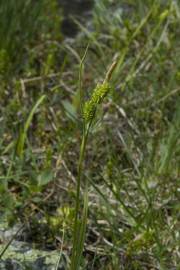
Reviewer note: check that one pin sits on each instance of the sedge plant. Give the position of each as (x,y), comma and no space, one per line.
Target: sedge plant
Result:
(88,111)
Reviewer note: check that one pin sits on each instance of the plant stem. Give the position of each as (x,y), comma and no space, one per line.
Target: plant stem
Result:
(86,129)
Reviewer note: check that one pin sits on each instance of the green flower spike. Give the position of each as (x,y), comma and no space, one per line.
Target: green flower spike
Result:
(97,97)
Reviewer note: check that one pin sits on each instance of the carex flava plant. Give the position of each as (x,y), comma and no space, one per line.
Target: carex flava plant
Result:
(88,111)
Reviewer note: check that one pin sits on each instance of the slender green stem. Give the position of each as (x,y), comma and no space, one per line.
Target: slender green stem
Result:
(79,177)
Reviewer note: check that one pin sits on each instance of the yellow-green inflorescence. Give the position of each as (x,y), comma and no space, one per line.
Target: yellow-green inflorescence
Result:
(97,97)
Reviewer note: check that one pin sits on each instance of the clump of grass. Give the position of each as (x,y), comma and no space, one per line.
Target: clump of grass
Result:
(22,24)
(133,158)
(89,111)
(18,24)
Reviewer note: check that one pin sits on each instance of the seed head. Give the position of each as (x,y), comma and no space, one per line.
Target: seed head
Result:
(97,97)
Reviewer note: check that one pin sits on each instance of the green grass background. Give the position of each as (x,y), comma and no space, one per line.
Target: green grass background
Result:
(131,161)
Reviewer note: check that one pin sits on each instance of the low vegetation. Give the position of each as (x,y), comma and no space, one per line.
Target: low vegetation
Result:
(97,166)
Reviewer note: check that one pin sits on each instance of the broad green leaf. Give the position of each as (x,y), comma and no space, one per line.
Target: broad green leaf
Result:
(45,177)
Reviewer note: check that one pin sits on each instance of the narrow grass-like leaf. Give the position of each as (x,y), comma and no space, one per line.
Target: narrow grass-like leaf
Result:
(23,133)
